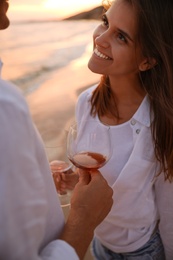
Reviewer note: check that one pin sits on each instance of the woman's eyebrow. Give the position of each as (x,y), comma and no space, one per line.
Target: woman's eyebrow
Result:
(125,34)
(104,16)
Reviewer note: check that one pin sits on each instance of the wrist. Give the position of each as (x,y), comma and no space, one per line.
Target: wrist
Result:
(78,232)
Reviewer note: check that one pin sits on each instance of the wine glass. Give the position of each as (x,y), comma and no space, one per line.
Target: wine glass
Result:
(55,146)
(89,144)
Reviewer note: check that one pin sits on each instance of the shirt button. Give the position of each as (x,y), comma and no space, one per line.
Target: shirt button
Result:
(133,122)
(138,131)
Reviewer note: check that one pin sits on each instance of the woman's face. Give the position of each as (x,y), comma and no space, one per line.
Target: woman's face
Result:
(4,22)
(116,51)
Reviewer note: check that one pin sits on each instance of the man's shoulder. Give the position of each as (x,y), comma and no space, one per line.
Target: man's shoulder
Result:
(11,95)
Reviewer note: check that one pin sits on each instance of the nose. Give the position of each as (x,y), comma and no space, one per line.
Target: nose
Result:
(101,37)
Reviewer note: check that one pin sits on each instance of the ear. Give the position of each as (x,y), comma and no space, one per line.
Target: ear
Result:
(147,64)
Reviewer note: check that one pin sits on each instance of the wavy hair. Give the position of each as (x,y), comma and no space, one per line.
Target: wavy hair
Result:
(155,35)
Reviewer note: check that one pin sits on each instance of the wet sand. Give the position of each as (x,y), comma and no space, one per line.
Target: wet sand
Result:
(52,105)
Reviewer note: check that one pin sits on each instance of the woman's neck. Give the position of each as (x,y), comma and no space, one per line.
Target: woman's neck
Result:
(127,91)
(127,95)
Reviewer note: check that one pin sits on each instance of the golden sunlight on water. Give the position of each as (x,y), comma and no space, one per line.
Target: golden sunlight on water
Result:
(47,9)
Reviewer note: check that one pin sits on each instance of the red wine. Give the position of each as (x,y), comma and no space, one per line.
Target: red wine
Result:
(88,160)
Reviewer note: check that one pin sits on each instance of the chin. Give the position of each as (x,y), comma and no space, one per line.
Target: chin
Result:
(4,23)
(94,68)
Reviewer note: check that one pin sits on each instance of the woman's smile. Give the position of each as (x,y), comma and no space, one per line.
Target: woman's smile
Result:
(101,55)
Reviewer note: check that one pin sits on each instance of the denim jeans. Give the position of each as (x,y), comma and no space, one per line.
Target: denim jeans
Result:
(152,250)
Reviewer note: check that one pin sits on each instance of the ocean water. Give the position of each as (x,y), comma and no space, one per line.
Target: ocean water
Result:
(31,52)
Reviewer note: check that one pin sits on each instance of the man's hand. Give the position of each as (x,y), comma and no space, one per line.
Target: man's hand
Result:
(90,203)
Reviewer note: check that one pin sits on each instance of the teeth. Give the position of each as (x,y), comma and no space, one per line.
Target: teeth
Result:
(101,55)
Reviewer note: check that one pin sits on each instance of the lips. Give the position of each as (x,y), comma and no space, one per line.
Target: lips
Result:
(101,55)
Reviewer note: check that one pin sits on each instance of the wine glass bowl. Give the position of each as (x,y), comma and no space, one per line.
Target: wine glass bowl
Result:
(88,144)
(60,166)
(55,147)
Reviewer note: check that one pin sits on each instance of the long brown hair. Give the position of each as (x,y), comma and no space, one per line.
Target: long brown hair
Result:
(155,19)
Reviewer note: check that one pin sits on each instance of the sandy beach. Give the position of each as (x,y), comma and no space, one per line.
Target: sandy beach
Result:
(53,106)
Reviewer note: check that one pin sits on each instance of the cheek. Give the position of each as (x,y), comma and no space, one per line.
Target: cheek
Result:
(97,32)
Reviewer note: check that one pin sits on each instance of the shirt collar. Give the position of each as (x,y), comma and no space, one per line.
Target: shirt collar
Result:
(143,114)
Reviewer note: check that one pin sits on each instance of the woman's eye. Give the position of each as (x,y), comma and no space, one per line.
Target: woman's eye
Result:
(121,37)
(105,21)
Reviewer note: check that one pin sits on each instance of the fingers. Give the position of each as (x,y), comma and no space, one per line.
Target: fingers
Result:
(96,196)
(84,177)
(97,176)
(94,173)
(64,181)
(57,176)
(56,179)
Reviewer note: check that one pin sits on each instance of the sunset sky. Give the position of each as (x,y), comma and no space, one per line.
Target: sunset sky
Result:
(47,9)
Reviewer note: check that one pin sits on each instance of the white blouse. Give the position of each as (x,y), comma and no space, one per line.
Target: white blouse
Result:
(140,199)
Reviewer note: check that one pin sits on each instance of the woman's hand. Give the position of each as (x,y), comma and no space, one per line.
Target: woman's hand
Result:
(64,181)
